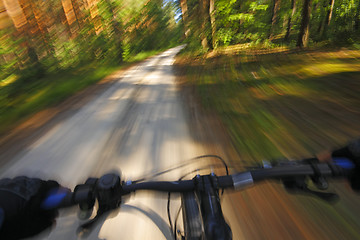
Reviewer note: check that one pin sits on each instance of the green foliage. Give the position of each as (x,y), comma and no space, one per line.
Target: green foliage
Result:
(239,22)
(225,36)
(105,37)
(254,6)
(153,27)
(42,66)
(263,21)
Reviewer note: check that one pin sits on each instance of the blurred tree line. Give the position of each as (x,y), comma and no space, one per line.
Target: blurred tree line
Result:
(38,37)
(212,23)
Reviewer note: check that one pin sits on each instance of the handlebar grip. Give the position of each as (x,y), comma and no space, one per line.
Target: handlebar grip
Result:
(65,198)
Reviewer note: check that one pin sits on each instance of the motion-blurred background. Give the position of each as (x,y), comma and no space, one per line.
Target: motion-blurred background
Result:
(271,79)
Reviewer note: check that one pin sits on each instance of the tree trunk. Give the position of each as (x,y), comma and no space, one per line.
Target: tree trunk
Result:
(357,20)
(330,11)
(274,17)
(95,18)
(64,21)
(185,16)
(204,19)
(79,15)
(117,31)
(303,37)
(328,18)
(320,29)
(17,15)
(212,21)
(70,16)
(13,10)
(30,32)
(184,10)
(39,12)
(289,23)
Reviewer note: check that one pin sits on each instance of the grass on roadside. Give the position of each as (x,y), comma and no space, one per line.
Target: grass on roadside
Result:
(280,103)
(20,99)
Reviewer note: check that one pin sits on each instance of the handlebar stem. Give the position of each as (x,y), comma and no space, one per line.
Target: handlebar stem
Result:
(207,190)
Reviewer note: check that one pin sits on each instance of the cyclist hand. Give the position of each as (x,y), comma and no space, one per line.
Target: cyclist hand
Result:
(352,152)
(21,215)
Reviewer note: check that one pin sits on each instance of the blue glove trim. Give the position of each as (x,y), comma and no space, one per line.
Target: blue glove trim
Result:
(53,200)
(344,163)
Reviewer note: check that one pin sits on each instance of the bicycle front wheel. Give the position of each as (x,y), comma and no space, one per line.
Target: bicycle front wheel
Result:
(191,216)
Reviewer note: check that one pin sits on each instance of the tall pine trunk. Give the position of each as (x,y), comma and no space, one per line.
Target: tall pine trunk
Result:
(204,19)
(117,31)
(185,17)
(70,16)
(79,15)
(30,33)
(303,37)
(274,17)
(320,29)
(213,22)
(94,15)
(357,15)
(328,18)
(289,23)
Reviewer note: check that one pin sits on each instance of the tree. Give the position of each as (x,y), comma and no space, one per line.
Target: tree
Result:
(289,21)
(303,37)
(212,13)
(116,30)
(29,31)
(274,17)
(329,14)
(357,17)
(185,17)
(70,16)
(94,15)
(204,18)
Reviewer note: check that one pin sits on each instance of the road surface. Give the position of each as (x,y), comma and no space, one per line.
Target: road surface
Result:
(137,126)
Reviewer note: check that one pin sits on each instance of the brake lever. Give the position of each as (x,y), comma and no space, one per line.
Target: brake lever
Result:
(326,196)
(84,230)
(297,185)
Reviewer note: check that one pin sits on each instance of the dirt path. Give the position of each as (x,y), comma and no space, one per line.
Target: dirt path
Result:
(136,126)
(19,138)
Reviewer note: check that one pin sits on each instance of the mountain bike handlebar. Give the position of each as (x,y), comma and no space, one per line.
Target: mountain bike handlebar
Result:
(109,189)
(110,185)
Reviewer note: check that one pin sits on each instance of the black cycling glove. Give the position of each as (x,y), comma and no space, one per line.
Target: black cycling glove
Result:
(20,207)
(352,152)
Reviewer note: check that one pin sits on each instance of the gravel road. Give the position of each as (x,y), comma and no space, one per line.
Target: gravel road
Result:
(137,126)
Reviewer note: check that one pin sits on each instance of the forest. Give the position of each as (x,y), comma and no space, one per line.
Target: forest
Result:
(38,37)
(51,49)
(295,23)
(282,76)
